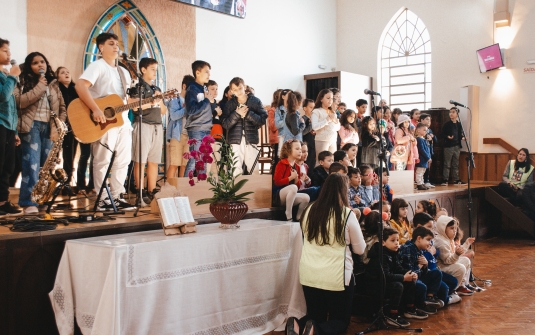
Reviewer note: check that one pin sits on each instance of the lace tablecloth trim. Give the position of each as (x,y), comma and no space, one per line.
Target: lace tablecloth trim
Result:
(168,275)
(245,324)
(66,308)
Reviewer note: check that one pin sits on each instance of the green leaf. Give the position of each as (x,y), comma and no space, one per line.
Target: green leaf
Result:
(238,185)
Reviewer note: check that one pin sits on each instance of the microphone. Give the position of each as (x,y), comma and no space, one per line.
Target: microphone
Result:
(370,92)
(42,72)
(457,104)
(13,62)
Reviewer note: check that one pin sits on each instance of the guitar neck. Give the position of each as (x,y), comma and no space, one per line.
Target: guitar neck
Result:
(134,105)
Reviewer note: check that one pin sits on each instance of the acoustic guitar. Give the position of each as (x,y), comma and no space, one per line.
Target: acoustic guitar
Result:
(87,130)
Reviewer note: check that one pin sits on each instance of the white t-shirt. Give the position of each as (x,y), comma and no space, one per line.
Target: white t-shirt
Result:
(105,80)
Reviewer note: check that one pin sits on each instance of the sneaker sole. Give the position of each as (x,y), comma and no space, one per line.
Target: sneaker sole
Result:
(410,316)
(426,312)
(394,323)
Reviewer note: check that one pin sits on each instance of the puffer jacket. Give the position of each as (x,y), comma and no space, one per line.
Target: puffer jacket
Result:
(235,126)
(28,102)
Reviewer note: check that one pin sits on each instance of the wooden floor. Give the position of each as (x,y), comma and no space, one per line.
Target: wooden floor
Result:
(506,307)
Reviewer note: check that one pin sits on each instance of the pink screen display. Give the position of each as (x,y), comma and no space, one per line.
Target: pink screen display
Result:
(489,58)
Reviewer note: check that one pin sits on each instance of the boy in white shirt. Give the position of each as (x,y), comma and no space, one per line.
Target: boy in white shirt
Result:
(100,79)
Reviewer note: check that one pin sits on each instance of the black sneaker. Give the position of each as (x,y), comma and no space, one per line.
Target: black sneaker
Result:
(434,302)
(105,205)
(427,309)
(444,183)
(9,208)
(397,321)
(121,203)
(415,313)
(459,182)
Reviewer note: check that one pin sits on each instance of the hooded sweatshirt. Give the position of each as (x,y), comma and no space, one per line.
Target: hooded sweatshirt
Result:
(445,245)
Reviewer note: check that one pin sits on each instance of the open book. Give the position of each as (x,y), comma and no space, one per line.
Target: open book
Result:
(175,211)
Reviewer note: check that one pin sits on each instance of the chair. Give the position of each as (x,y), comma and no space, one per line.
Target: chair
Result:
(265,150)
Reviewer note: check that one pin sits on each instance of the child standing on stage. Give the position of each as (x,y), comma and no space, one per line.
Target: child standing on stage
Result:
(309,137)
(102,78)
(177,135)
(288,179)
(423,154)
(431,140)
(325,123)
(452,133)
(199,109)
(151,131)
(8,126)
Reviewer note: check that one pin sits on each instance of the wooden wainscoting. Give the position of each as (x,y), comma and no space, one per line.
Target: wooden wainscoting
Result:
(489,166)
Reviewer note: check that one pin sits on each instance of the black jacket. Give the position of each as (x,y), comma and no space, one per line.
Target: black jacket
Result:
(318,176)
(236,126)
(391,265)
(452,129)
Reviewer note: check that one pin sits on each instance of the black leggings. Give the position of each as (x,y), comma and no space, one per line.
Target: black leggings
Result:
(336,305)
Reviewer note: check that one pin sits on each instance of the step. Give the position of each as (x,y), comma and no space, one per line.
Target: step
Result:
(512,212)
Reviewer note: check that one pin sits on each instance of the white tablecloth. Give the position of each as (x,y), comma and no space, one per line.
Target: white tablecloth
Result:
(215,281)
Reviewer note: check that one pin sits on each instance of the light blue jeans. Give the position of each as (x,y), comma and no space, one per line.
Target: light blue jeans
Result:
(198,135)
(35,148)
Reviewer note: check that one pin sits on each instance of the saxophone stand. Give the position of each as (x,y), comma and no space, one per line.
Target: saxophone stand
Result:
(59,188)
(106,186)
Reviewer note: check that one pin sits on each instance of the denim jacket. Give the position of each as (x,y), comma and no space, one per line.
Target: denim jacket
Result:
(408,255)
(286,133)
(177,111)
(365,198)
(8,107)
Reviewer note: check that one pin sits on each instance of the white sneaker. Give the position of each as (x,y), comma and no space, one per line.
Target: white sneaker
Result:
(429,185)
(454,298)
(31,210)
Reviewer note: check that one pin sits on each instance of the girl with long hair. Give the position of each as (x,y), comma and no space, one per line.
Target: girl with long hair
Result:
(70,144)
(404,137)
(518,172)
(370,142)
(351,149)
(273,132)
(325,123)
(399,220)
(288,179)
(294,124)
(348,128)
(37,97)
(329,227)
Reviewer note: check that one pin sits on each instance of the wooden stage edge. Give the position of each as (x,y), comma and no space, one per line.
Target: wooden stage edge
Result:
(450,197)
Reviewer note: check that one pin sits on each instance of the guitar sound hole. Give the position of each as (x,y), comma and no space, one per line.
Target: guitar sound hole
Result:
(109,112)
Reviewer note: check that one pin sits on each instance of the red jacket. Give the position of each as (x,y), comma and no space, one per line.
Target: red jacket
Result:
(272,129)
(282,174)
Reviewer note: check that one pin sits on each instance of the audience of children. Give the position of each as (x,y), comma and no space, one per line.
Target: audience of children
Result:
(340,156)
(288,179)
(399,221)
(337,167)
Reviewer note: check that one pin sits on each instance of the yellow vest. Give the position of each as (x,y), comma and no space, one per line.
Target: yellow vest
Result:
(323,266)
(524,177)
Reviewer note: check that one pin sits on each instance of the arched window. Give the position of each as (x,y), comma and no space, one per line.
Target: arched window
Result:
(136,37)
(405,62)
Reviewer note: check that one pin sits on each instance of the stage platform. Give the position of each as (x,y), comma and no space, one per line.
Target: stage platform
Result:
(29,260)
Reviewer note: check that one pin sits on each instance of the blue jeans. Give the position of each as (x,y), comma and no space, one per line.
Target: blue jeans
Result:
(428,283)
(198,135)
(35,148)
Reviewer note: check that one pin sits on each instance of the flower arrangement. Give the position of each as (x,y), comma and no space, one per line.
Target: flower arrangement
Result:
(224,185)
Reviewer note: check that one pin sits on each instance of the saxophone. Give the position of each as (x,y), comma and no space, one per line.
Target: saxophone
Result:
(49,176)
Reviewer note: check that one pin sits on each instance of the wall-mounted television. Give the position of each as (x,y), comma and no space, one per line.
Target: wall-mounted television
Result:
(490,58)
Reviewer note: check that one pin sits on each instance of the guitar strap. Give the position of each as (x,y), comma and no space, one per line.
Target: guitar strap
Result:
(123,81)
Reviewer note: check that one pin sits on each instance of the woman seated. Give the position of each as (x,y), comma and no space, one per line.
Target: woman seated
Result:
(517,173)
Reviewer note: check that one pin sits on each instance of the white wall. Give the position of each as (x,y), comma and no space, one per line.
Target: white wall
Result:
(277,43)
(457,29)
(14,27)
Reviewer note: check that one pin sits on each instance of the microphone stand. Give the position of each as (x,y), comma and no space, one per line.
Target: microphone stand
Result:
(140,86)
(470,163)
(380,322)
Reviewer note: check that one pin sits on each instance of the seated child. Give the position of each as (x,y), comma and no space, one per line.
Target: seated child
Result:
(321,172)
(341,156)
(370,194)
(399,222)
(446,292)
(386,191)
(386,210)
(412,259)
(400,284)
(287,179)
(306,183)
(470,254)
(338,168)
(450,259)
(355,198)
